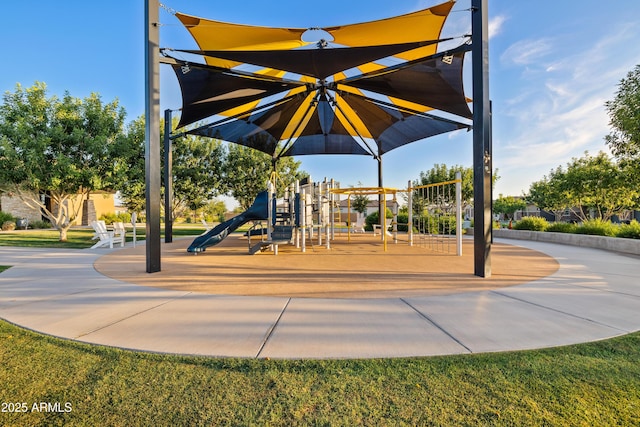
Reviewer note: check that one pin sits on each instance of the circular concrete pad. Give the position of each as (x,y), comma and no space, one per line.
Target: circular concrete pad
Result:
(359,268)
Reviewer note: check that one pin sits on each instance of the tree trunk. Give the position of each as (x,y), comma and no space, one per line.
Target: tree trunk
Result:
(63,234)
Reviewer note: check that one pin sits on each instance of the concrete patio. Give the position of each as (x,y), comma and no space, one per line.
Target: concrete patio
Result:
(593,295)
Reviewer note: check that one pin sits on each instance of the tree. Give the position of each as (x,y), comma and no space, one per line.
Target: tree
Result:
(198,165)
(247,171)
(360,202)
(130,166)
(595,186)
(442,173)
(547,193)
(53,152)
(590,186)
(624,113)
(197,169)
(214,210)
(508,205)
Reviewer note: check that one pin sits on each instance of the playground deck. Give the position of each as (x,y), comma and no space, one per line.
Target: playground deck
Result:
(356,269)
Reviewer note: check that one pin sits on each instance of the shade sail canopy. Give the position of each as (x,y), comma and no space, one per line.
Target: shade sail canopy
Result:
(318,63)
(377,91)
(207,91)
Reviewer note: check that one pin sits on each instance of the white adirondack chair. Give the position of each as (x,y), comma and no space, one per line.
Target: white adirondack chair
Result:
(105,236)
(119,233)
(358,227)
(102,224)
(376,227)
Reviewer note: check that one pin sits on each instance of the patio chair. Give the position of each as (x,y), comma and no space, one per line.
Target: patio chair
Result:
(119,233)
(358,227)
(102,225)
(386,228)
(105,236)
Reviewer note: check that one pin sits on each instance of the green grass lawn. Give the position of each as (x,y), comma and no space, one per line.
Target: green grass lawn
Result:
(78,238)
(594,384)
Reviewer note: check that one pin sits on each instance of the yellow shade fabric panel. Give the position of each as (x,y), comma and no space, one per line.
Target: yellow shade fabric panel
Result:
(412,106)
(351,119)
(300,120)
(422,25)
(216,35)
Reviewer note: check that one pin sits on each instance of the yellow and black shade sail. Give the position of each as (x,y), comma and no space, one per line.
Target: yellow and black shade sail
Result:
(324,99)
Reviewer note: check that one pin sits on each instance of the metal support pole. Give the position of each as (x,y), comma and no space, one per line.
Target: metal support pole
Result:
(168,179)
(382,202)
(482,165)
(459,213)
(152,135)
(410,212)
(303,218)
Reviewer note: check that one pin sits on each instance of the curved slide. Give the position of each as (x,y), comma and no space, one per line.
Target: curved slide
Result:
(257,211)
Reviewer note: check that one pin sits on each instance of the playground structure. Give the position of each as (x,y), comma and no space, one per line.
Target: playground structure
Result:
(323,117)
(436,215)
(309,211)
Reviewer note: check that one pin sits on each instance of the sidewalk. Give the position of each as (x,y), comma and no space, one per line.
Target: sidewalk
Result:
(594,295)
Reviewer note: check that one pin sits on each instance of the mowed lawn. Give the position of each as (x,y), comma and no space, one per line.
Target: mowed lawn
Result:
(46,381)
(79,238)
(594,384)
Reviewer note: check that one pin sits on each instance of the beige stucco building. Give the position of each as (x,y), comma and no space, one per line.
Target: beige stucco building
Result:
(99,203)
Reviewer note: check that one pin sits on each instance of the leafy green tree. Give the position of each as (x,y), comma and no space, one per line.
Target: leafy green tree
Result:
(597,187)
(360,202)
(197,169)
(442,173)
(547,194)
(61,149)
(508,205)
(247,172)
(624,113)
(214,210)
(591,186)
(130,166)
(198,165)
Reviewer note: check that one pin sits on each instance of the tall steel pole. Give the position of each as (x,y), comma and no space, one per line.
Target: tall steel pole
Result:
(168,179)
(152,135)
(482,162)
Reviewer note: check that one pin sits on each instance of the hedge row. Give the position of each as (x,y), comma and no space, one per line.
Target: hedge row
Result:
(594,227)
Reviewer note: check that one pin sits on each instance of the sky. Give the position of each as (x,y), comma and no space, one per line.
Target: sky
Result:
(553,65)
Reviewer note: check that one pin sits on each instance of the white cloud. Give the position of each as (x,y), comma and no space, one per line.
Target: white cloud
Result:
(527,52)
(495,25)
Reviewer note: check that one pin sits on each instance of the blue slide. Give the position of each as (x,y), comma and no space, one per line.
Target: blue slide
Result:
(257,211)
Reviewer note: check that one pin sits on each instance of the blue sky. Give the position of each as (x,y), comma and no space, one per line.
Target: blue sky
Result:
(553,65)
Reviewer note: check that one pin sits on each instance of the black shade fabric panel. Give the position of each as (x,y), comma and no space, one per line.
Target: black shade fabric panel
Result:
(393,128)
(261,130)
(207,91)
(325,144)
(436,83)
(319,63)
(325,134)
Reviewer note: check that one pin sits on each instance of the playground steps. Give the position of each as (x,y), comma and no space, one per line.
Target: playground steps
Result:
(281,235)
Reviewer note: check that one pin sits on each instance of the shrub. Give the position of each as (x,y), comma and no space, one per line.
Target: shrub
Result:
(4,217)
(597,227)
(110,218)
(8,226)
(373,219)
(40,224)
(431,224)
(533,223)
(562,227)
(629,231)
(403,219)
